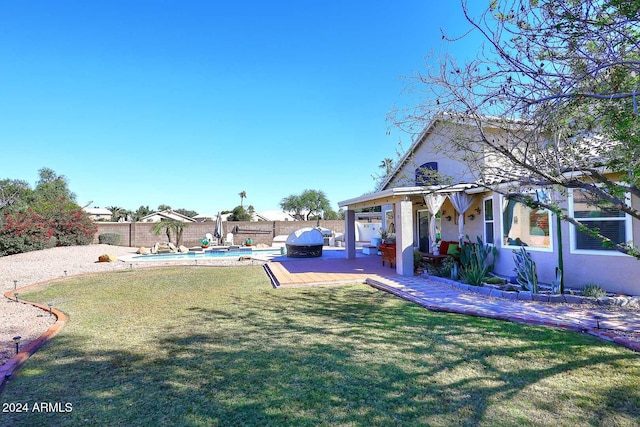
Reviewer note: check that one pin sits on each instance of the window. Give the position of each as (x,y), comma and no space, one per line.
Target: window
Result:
(612,223)
(523,226)
(425,174)
(488,221)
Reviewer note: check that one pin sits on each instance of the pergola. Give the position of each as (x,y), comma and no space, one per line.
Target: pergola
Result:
(402,199)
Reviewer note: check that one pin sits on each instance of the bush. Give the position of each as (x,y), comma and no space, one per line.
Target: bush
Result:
(593,290)
(24,232)
(493,280)
(444,269)
(57,223)
(72,227)
(109,239)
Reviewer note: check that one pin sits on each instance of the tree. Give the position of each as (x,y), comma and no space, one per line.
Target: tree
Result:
(141,212)
(186,212)
(51,187)
(243,195)
(169,226)
(563,77)
(14,194)
(117,213)
(240,214)
(314,202)
(292,204)
(164,208)
(386,165)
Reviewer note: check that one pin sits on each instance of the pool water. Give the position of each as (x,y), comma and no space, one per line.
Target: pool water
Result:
(210,253)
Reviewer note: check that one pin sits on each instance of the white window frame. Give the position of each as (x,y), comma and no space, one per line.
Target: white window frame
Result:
(528,248)
(628,230)
(492,221)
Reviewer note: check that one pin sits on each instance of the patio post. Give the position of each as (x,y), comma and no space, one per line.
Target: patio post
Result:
(404,237)
(350,233)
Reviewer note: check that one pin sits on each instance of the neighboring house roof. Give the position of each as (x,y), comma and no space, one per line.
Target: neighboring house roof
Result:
(204,217)
(98,211)
(273,215)
(158,216)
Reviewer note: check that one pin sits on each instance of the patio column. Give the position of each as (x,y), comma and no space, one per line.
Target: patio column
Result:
(350,233)
(404,237)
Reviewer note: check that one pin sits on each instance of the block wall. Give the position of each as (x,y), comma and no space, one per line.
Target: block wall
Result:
(136,234)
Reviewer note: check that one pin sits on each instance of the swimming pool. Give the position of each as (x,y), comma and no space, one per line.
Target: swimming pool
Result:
(210,253)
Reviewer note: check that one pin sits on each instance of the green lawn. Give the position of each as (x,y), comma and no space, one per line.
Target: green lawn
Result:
(218,346)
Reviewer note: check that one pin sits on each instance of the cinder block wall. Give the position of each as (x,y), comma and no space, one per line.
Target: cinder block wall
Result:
(136,234)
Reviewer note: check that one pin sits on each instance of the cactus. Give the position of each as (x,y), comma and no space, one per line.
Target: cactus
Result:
(526,270)
(556,283)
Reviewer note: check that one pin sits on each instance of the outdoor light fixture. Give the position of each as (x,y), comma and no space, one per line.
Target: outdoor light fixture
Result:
(598,318)
(65,273)
(16,296)
(50,305)
(15,285)
(448,218)
(16,340)
(130,266)
(471,217)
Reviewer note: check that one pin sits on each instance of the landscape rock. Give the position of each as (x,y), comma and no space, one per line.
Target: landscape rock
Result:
(183,249)
(107,258)
(142,250)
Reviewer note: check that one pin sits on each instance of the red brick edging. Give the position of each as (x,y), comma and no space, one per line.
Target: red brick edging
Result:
(15,363)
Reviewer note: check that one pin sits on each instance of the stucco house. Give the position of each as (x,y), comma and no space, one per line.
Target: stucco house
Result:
(421,213)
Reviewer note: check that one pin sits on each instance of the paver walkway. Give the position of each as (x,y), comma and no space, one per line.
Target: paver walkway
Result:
(618,325)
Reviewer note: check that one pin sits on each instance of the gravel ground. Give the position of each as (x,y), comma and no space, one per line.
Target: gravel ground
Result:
(40,266)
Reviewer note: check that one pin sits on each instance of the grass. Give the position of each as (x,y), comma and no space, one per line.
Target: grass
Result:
(218,346)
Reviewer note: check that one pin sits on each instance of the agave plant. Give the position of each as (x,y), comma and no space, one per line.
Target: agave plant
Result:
(526,270)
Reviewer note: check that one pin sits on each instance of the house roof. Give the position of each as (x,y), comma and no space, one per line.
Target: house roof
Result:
(167,214)
(460,119)
(97,211)
(273,215)
(392,195)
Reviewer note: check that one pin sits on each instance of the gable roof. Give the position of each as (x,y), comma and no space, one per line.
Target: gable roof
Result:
(167,214)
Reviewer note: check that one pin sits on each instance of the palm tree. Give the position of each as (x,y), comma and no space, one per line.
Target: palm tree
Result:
(116,212)
(243,195)
(170,225)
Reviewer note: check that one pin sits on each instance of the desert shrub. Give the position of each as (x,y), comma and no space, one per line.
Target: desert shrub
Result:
(493,280)
(474,274)
(109,239)
(593,290)
(72,227)
(24,232)
(58,223)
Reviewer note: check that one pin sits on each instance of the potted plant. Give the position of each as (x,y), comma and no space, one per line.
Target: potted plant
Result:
(204,242)
(417,262)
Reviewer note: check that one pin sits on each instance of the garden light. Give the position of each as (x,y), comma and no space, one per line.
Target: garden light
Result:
(16,340)
(15,285)
(16,296)
(598,318)
(50,305)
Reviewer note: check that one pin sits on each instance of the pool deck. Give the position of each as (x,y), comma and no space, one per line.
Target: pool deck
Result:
(620,325)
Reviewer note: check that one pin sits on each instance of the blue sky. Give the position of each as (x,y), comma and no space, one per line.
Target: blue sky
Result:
(188,103)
